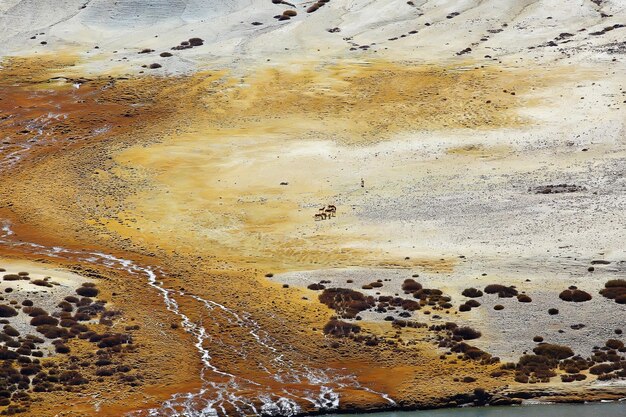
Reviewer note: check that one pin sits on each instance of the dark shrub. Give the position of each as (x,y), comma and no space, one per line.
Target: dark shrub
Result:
(468,379)
(410,285)
(41,283)
(577,296)
(196,42)
(11,277)
(553,311)
(616,283)
(72,378)
(67,323)
(410,305)
(7,311)
(611,343)
(472,293)
(523,298)
(502,290)
(165,54)
(498,307)
(537,339)
(53,332)
(27,303)
(105,372)
(472,303)
(340,328)
(61,348)
(71,299)
(41,320)
(65,306)
(466,333)
(316,287)
(11,331)
(36,311)
(603,368)
(348,303)
(464,307)
(557,352)
(87,291)
(110,340)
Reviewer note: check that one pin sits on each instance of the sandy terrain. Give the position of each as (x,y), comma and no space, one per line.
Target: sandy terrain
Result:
(467,142)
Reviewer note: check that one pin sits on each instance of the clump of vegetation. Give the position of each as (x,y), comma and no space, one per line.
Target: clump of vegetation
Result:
(472,293)
(615,289)
(553,311)
(575,295)
(87,290)
(43,320)
(316,287)
(523,298)
(338,328)
(410,286)
(466,333)
(498,307)
(11,277)
(557,352)
(346,302)
(502,290)
(7,311)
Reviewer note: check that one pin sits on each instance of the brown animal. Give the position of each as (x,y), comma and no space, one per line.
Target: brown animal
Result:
(320,216)
(331,210)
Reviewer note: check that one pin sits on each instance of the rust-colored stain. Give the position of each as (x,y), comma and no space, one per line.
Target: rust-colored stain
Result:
(172,172)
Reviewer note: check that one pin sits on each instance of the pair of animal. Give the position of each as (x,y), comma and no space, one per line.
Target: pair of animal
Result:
(326,212)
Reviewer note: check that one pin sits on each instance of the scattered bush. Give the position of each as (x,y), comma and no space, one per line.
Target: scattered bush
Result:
(87,291)
(11,277)
(523,298)
(614,344)
(410,285)
(466,333)
(502,290)
(72,378)
(553,311)
(340,328)
(537,339)
(498,307)
(11,331)
(575,295)
(347,303)
(557,352)
(42,320)
(472,293)
(7,311)
(36,311)
(615,289)
(316,287)
(61,348)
